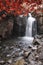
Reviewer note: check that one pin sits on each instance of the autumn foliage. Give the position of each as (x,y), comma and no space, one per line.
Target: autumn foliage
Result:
(17,7)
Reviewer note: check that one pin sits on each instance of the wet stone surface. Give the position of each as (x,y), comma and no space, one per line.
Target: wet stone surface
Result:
(14,52)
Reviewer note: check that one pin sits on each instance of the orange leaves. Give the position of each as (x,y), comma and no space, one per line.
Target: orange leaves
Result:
(18,7)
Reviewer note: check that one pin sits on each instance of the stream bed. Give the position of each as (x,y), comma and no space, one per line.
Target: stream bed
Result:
(21,51)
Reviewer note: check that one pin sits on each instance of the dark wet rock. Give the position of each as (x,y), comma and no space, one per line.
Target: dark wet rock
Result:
(30,46)
(36,42)
(36,57)
(34,48)
(38,39)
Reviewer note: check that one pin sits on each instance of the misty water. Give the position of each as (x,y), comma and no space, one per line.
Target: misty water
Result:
(29,25)
(28,33)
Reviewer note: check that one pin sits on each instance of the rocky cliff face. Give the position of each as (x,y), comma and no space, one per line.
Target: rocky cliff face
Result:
(6,27)
(19,26)
(40,24)
(14,26)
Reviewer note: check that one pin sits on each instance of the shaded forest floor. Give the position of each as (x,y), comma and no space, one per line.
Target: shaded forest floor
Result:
(14,52)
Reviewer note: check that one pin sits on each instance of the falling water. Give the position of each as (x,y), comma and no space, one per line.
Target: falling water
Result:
(28,35)
(30,22)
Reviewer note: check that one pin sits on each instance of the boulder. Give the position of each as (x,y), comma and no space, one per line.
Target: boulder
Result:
(26,54)
(36,42)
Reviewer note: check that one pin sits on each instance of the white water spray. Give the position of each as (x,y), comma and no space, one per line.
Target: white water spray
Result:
(28,34)
(30,22)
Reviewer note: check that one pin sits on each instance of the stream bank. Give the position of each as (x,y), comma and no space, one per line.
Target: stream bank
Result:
(14,52)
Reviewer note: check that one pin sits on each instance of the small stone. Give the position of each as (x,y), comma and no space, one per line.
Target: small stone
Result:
(21,53)
(26,54)
(2,61)
(8,55)
(37,57)
(9,61)
(30,46)
(7,48)
(17,54)
(39,47)
(34,48)
(11,47)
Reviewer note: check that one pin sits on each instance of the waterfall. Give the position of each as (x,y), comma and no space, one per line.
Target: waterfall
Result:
(29,24)
(28,34)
